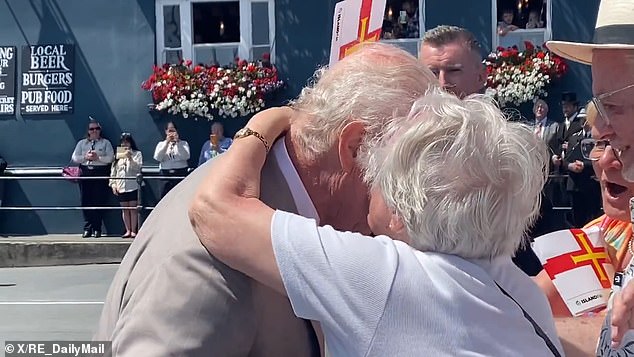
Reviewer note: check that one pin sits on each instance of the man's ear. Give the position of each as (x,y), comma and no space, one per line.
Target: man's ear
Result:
(349,142)
(396,223)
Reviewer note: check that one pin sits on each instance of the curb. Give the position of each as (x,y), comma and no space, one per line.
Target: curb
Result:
(50,253)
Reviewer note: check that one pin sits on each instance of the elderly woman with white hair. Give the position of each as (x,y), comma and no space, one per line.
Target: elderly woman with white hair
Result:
(453,188)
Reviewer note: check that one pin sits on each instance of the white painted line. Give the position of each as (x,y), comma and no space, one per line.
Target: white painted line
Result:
(51,302)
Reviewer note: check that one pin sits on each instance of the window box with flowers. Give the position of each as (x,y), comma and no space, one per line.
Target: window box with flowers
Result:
(209,91)
(515,77)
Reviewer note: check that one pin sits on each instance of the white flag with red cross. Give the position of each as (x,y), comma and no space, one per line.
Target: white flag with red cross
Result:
(355,22)
(577,262)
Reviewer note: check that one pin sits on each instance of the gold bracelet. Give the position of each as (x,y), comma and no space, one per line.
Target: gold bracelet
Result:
(245,132)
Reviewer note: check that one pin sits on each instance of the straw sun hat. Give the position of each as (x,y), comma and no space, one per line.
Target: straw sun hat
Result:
(614,30)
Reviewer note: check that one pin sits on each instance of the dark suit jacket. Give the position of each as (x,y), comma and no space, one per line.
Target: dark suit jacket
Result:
(171,298)
(564,135)
(583,180)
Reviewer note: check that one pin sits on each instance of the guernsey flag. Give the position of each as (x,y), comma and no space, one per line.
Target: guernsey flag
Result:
(577,262)
(355,22)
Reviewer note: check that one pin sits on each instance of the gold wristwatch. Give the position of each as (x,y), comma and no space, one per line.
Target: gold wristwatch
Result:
(244,132)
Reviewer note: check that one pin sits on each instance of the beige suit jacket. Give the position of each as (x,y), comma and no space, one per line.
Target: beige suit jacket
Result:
(171,298)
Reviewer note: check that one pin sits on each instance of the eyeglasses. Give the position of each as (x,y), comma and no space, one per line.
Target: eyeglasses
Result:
(608,111)
(594,149)
(94,128)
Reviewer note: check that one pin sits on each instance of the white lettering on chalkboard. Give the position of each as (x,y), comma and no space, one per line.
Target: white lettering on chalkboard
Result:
(48,57)
(6,53)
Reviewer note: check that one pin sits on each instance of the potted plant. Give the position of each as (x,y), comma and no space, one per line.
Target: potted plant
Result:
(515,77)
(208,91)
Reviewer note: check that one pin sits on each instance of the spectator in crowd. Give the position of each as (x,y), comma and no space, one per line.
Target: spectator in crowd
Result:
(458,215)
(545,128)
(506,25)
(217,144)
(582,187)
(612,59)
(615,225)
(128,163)
(172,155)
(401,23)
(453,54)
(534,21)
(94,154)
(573,122)
(311,171)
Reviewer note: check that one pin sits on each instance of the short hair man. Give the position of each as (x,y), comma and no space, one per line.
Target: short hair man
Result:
(453,54)
(170,297)
(612,58)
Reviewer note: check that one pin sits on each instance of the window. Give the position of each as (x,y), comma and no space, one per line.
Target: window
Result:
(214,31)
(516,21)
(403,24)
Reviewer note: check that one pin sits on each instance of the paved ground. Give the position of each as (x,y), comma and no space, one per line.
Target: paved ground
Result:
(52,303)
(60,249)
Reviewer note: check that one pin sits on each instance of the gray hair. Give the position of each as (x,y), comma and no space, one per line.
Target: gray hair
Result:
(444,34)
(373,85)
(463,180)
(540,101)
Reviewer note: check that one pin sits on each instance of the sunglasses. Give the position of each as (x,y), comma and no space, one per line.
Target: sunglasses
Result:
(94,128)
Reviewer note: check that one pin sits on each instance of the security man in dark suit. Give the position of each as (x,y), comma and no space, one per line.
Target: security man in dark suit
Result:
(583,188)
(573,121)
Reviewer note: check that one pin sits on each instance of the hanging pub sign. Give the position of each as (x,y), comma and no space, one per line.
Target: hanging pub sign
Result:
(7,80)
(47,79)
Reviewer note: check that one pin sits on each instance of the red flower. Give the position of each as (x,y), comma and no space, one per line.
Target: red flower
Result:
(228,92)
(508,66)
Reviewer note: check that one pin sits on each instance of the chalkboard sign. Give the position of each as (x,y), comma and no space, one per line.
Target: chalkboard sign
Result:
(8,56)
(48,73)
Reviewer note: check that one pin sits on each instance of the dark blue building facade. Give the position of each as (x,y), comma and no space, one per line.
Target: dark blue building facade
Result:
(116,42)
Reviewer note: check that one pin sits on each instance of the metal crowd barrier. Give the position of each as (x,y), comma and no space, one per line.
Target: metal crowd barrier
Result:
(140,178)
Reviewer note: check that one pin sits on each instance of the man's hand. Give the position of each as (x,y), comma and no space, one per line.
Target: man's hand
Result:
(576,166)
(622,314)
(556,159)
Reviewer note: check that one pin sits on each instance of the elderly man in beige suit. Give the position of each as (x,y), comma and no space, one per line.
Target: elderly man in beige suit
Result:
(170,297)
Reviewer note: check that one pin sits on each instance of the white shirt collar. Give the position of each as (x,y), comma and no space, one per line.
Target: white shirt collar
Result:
(542,122)
(304,204)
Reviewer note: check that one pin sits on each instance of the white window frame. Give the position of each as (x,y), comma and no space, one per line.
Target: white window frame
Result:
(187,45)
(548,32)
(421,30)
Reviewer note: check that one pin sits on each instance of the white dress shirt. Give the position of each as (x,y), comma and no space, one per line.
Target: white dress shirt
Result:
(102,147)
(540,126)
(303,203)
